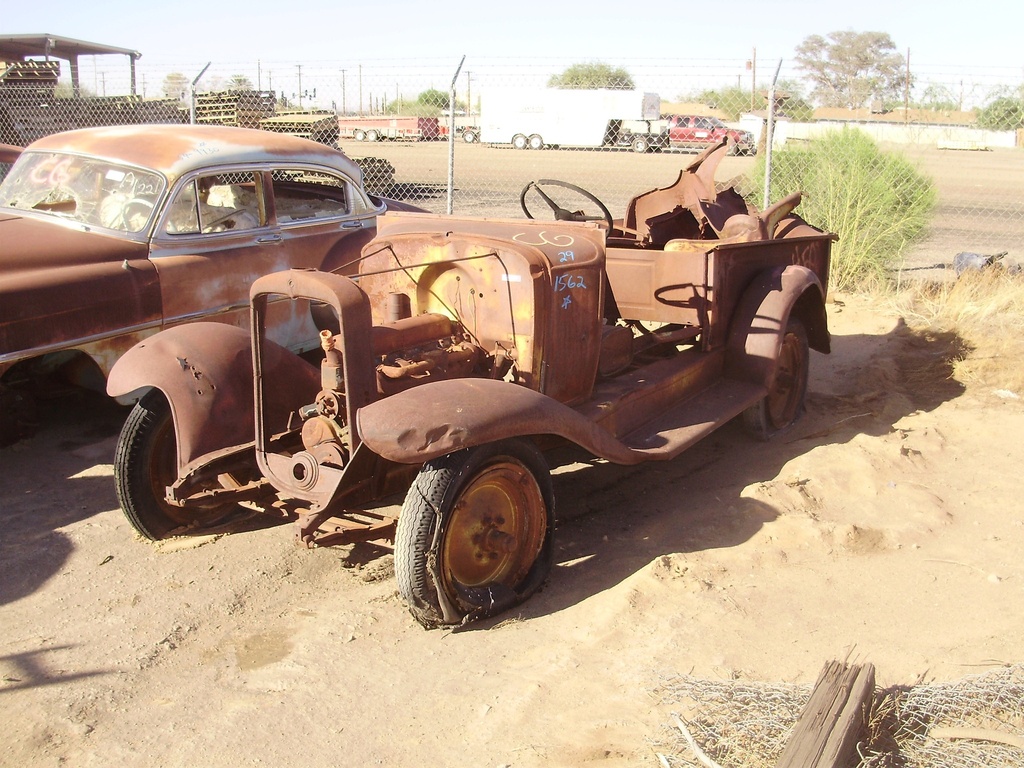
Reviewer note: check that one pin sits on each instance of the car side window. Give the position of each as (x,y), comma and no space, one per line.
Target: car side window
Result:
(219,202)
(303,195)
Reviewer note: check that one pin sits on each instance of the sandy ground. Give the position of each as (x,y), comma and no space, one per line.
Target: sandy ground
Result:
(886,525)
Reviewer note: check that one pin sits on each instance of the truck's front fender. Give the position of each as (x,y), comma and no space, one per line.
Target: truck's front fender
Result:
(435,419)
(760,319)
(205,372)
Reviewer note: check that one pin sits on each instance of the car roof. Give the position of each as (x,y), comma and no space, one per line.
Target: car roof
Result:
(174,149)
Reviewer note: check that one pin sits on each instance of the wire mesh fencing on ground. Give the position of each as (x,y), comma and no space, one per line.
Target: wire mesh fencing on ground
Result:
(973,722)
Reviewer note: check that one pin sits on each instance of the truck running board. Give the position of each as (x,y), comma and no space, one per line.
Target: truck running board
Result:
(676,430)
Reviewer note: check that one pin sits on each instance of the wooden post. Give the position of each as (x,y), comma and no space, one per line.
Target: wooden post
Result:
(834,719)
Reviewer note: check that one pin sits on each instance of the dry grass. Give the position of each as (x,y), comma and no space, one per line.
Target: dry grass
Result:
(985,309)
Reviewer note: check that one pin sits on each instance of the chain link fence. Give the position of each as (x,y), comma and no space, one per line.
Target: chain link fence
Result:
(469,137)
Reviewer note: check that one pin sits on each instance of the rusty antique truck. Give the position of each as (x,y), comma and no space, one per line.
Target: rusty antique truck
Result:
(458,353)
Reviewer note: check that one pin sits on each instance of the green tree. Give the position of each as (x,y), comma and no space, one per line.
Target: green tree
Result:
(176,86)
(851,69)
(1005,112)
(939,98)
(239,83)
(732,101)
(432,97)
(593,75)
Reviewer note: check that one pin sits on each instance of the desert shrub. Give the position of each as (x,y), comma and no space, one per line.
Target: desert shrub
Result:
(985,308)
(877,202)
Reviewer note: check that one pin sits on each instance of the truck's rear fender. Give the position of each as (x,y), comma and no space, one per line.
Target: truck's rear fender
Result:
(436,419)
(759,321)
(205,372)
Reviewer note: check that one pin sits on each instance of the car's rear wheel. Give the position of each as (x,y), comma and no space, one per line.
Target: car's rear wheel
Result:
(145,464)
(475,534)
(784,403)
(640,145)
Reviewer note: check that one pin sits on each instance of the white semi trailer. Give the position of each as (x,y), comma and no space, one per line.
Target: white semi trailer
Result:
(535,118)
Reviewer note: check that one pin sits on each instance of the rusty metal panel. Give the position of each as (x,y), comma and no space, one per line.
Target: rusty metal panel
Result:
(531,290)
(660,286)
(60,282)
(736,265)
(205,370)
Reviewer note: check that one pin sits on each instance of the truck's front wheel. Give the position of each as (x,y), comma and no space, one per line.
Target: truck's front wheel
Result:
(145,464)
(475,534)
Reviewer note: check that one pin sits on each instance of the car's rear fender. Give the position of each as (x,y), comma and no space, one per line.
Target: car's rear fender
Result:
(436,419)
(205,372)
(759,321)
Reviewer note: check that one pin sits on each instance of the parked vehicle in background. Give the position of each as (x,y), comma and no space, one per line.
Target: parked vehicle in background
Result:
(108,235)
(383,127)
(463,349)
(703,131)
(535,118)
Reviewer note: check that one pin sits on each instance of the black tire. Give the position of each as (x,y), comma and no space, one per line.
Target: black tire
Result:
(145,463)
(784,403)
(536,141)
(469,136)
(360,135)
(519,141)
(372,135)
(640,145)
(475,534)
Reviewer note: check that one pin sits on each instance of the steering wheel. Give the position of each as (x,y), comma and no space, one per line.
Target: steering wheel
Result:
(136,206)
(563,214)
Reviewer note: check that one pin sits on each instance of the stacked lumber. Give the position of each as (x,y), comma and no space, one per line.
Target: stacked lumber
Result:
(244,108)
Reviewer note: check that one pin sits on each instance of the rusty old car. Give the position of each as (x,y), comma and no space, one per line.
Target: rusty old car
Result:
(110,234)
(461,351)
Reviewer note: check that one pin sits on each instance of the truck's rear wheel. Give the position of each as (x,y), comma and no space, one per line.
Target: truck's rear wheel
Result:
(784,403)
(372,135)
(145,464)
(475,534)
(536,141)
(519,141)
(359,135)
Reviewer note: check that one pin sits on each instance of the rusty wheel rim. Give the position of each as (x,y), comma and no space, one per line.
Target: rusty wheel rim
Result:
(787,388)
(497,528)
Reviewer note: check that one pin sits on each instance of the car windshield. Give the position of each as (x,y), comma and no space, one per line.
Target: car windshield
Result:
(83,189)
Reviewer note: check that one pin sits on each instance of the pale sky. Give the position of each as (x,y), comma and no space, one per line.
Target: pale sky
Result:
(946,40)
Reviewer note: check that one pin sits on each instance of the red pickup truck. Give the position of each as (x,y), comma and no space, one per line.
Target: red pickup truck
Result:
(701,132)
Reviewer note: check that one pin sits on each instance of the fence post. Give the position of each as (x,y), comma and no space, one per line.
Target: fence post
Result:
(769,138)
(192,94)
(451,138)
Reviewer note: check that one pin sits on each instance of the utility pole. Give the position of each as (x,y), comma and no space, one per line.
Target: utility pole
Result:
(299,67)
(753,78)
(344,110)
(906,92)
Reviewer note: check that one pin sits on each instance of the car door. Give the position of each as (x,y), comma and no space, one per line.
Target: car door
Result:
(222,229)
